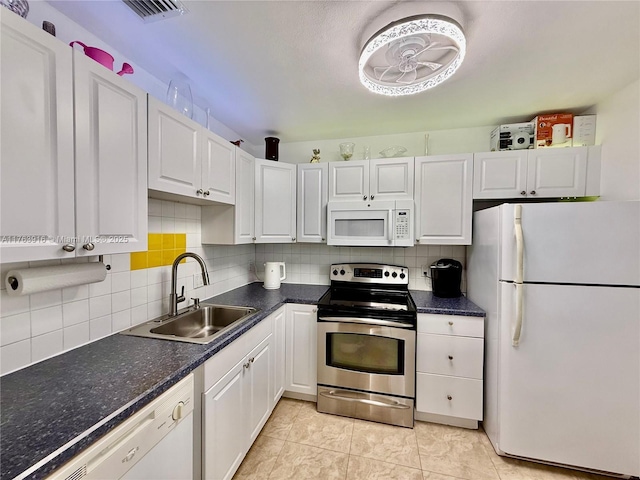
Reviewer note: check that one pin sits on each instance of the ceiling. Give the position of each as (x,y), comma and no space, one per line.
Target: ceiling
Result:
(290,68)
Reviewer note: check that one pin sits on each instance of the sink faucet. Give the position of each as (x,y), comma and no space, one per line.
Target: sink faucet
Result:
(174,299)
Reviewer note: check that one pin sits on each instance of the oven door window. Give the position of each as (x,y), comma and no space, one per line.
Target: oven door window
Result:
(365,353)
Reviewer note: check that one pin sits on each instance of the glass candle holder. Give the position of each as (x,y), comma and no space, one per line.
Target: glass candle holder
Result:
(346,150)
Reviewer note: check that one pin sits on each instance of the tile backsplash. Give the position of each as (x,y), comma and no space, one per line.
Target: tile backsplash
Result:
(38,326)
(309,263)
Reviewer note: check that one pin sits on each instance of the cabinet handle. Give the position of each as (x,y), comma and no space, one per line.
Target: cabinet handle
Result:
(450,323)
(207,193)
(532,192)
(315,310)
(88,246)
(246,365)
(199,191)
(254,239)
(324,239)
(293,239)
(252,359)
(69,247)
(450,357)
(372,197)
(523,192)
(449,397)
(364,198)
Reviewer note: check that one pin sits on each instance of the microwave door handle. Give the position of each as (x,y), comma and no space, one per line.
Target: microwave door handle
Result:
(390,227)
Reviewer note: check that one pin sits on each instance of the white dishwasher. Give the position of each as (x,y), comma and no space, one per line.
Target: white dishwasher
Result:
(155,443)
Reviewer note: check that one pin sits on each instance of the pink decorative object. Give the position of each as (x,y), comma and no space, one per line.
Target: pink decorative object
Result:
(103,58)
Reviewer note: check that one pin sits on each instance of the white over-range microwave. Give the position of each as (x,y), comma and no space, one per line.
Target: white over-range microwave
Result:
(371,224)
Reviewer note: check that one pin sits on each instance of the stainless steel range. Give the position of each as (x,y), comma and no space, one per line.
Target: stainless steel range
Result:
(366,344)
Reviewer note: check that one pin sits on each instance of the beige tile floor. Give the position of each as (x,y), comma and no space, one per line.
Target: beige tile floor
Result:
(299,443)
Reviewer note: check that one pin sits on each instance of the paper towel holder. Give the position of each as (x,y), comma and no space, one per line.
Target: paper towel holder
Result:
(13,281)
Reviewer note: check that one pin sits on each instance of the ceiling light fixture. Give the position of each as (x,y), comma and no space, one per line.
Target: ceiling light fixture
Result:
(412,55)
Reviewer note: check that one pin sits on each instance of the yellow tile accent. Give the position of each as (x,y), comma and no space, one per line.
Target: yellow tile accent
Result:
(163,249)
(155,258)
(155,241)
(168,241)
(181,240)
(138,260)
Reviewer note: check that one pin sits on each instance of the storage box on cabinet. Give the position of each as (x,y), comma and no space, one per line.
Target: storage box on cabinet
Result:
(57,204)
(449,369)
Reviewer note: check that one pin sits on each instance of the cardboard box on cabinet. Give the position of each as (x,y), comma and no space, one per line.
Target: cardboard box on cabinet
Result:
(513,136)
(584,130)
(554,130)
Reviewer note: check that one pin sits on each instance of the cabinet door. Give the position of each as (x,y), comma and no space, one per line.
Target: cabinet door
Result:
(174,151)
(301,361)
(245,198)
(36,169)
(218,169)
(275,220)
(224,440)
(349,180)
(557,172)
(444,199)
(312,202)
(500,174)
(391,178)
(278,352)
(111,161)
(259,387)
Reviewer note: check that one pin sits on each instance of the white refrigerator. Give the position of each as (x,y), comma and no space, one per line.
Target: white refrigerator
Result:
(560,283)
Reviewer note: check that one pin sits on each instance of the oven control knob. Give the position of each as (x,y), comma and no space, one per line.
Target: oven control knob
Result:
(394,274)
(386,274)
(402,275)
(335,272)
(342,272)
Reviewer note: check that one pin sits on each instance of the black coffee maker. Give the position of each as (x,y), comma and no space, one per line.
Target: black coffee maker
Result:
(446,275)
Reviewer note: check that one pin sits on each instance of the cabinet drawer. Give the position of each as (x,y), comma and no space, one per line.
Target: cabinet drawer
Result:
(451,325)
(450,355)
(433,393)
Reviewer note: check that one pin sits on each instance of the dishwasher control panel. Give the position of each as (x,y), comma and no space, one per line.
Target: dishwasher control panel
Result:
(119,450)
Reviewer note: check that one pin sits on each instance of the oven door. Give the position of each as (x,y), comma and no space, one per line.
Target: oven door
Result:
(371,358)
(366,224)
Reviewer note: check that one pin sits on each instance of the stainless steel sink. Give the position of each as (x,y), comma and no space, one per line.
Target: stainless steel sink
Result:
(201,325)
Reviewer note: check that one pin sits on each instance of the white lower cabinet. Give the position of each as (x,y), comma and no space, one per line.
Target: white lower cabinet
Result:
(449,369)
(238,400)
(301,348)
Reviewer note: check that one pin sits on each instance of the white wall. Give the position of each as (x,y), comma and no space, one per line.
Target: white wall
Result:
(618,131)
(38,326)
(463,140)
(68,31)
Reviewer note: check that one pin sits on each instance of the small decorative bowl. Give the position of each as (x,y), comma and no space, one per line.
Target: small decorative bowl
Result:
(394,151)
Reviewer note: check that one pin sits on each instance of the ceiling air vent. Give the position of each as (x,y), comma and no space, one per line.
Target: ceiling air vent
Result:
(154,10)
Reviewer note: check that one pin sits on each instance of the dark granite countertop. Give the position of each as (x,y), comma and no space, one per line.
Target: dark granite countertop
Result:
(52,410)
(427,302)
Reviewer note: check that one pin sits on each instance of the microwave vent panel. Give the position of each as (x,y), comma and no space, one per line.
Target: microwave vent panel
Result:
(154,10)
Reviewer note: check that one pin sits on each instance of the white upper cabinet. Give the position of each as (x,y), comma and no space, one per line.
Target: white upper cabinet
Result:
(233,224)
(111,160)
(187,162)
(538,173)
(36,169)
(313,191)
(391,178)
(88,202)
(377,179)
(444,204)
(218,168)
(349,180)
(275,202)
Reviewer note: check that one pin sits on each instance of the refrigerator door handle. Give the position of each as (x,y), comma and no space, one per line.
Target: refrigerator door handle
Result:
(515,340)
(517,223)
